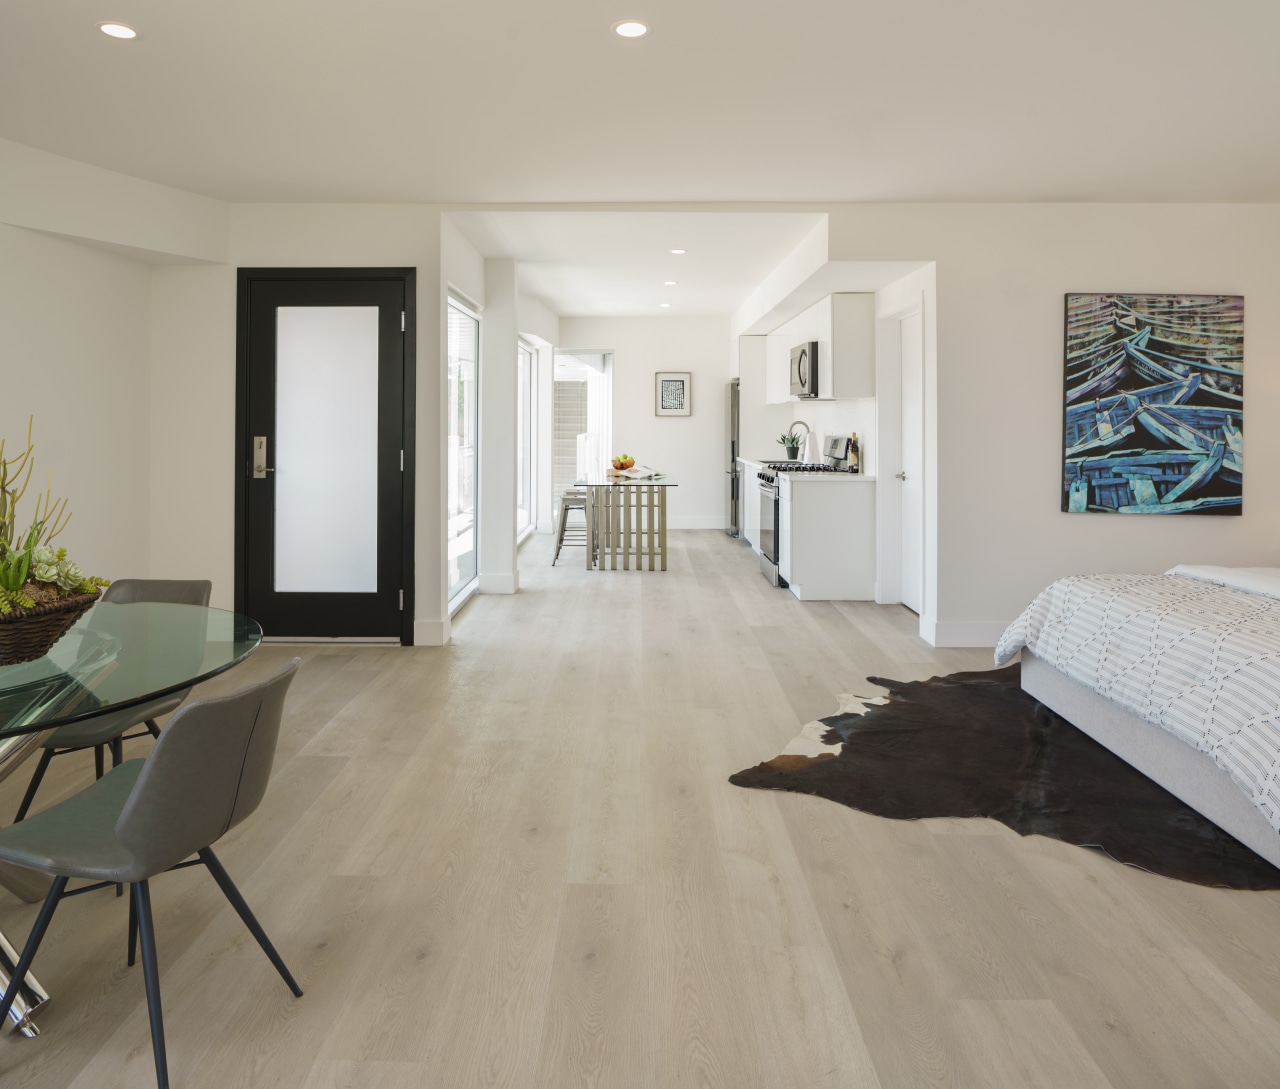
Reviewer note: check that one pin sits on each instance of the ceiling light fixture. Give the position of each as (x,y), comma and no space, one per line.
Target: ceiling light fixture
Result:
(117,30)
(668,283)
(664,305)
(679,251)
(630,28)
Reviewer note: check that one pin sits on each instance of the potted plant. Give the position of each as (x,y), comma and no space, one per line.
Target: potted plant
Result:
(42,591)
(791,443)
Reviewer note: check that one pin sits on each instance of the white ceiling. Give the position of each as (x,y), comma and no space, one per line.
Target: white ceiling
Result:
(754,100)
(615,263)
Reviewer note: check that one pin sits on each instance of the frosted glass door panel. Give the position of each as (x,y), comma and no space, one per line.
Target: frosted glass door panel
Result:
(326,456)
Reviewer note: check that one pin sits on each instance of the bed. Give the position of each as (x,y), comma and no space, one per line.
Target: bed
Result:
(1178,674)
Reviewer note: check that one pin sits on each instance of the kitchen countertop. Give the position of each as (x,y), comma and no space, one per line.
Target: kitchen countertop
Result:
(796,477)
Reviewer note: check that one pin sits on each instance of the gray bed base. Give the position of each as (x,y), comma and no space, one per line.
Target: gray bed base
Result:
(1175,765)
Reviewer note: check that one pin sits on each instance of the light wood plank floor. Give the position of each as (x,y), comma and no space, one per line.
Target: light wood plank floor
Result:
(516,862)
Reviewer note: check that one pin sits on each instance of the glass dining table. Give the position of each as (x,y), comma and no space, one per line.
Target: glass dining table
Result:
(116,656)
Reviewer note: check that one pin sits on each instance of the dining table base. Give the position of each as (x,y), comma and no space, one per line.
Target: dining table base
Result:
(30,887)
(630,519)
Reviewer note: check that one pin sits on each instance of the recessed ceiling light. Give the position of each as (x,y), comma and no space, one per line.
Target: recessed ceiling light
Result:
(664,305)
(679,251)
(117,30)
(629,28)
(668,283)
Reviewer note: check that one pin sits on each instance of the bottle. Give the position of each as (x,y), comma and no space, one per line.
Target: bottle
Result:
(855,455)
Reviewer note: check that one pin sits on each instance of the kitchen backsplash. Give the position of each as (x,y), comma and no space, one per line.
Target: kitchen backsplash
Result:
(840,418)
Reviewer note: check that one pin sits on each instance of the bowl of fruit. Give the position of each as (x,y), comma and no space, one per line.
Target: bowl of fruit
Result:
(622,462)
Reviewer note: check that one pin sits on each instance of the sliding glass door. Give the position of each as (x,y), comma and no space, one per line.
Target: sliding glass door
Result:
(463,412)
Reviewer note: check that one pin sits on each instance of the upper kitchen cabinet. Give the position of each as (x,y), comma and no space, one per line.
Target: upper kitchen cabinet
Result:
(844,327)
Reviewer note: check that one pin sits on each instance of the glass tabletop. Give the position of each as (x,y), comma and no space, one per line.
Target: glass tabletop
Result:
(119,655)
(599,478)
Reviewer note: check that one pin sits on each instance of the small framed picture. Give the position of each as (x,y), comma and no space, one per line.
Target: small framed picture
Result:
(671,395)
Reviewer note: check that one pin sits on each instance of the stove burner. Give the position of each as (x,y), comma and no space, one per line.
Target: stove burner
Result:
(802,467)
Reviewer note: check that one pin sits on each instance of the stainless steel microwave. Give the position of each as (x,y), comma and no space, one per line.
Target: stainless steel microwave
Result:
(804,369)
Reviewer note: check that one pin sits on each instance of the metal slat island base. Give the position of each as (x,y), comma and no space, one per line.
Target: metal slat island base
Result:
(630,518)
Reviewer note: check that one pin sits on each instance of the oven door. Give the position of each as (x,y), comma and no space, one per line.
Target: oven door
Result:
(769,522)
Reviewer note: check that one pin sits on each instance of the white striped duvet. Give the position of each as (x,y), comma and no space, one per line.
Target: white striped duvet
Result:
(1197,659)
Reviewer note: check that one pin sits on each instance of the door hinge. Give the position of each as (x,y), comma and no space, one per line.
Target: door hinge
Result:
(402,601)
(402,321)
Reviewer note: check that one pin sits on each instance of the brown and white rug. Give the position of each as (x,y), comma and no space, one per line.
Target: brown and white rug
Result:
(976,745)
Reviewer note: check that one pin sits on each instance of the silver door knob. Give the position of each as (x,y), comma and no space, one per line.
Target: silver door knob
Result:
(901,476)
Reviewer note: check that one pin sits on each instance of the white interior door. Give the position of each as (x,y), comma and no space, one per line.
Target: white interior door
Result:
(912,341)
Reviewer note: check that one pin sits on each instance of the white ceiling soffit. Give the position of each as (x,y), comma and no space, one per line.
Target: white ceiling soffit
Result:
(617,263)
(507,101)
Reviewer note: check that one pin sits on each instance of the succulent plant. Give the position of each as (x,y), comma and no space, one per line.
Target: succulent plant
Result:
(27,560)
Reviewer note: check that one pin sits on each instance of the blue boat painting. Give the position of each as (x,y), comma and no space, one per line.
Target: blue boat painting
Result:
(1154,404)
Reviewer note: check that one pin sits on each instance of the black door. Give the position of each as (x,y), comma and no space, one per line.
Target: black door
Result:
(324,427)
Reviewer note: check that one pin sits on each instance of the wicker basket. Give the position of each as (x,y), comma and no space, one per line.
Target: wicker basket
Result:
(27,634)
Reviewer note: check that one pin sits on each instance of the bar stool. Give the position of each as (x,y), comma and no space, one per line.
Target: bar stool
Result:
(571,499)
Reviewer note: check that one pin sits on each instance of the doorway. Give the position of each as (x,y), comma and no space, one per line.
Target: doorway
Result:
(911,344)
(324,434)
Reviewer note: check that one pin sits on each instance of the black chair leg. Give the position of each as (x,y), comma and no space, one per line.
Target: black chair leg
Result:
(99,765)
(30,796)
(151,725)
(133,931)
(33,944)
(117,752)
(232,893)
(151,973)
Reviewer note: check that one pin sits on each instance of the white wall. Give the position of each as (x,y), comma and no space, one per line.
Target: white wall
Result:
(1002,272)
(50,193)
(499,403)
(691,447)
(74,330)
(538,321)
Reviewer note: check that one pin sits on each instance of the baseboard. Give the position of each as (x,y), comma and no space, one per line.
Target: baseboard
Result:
(430,633)
(946,634)
(696,521)
(500,584)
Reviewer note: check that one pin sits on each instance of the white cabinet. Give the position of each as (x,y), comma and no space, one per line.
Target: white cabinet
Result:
(749,501)
(844,326)
(828,536)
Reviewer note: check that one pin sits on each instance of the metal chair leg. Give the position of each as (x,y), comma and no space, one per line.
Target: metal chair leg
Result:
(30,796)
(33,944)
(152,727)
(232,893)
(133,931)
(151,974)
(117,751)
(99,764)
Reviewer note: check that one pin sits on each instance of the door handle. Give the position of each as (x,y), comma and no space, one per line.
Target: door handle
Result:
(901,476)
(260,469)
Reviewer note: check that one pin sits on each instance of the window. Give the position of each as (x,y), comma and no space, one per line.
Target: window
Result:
(463,410)
(525,475)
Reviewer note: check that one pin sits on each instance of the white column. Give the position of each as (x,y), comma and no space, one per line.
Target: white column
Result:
(499,403)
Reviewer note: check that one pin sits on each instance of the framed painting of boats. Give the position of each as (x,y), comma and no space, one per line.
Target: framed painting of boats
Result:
(1153,404)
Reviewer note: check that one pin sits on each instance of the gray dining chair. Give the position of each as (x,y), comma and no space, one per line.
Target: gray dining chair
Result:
(111,730)
(207,772)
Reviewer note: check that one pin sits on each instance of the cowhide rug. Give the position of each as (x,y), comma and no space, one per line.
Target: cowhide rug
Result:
(976,745)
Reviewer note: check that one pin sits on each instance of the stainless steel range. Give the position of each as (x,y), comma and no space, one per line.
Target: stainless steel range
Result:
(770,524)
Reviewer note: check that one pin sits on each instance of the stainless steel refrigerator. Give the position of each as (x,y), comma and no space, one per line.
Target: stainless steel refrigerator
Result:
(733,479)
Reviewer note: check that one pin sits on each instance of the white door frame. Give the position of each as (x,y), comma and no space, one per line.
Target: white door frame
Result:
(889,450)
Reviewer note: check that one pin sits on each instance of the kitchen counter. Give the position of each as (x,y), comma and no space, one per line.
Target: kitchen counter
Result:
(827,544)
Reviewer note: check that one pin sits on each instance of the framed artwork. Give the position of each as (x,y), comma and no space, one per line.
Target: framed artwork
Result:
(1153,404)
(671,395)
